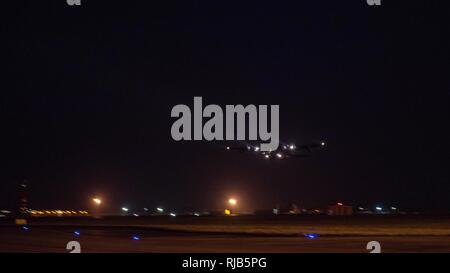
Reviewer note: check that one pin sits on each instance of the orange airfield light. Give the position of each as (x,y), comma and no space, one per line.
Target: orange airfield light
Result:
(97,201)
(232,202)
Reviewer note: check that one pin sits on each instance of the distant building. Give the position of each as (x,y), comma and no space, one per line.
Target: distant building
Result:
(59,213)
(290,209)
(340,210)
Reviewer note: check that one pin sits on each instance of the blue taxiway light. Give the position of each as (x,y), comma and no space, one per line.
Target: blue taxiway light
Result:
(311,235)
(77,233)
(136,238)
(25,228)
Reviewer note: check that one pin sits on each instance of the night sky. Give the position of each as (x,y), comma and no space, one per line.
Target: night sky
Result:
(86,95)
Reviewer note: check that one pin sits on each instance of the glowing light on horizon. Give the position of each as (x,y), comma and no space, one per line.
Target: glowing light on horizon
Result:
(232,201)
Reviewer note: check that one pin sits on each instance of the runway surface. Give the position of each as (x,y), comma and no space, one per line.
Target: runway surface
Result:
(104,239)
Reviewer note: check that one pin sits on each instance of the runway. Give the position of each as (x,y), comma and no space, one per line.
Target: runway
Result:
(104,239)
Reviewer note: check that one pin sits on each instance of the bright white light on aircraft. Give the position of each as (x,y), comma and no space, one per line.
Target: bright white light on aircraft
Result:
(267,156)
(256,149)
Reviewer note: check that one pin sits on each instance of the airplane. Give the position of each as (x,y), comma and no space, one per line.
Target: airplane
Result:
(282,152)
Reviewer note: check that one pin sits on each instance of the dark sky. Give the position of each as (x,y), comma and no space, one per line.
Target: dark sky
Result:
(87,91)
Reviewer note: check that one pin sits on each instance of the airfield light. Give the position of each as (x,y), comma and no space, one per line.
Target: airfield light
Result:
(322,144)
(76,233)
(256,149)
(135,238)
(228,148)
(124,209)
(292,147)
(340,204)
(97,201)
(279,155)
(196,214)
(160,209)
(393,208)
(379,208)
(173,214)
(232,201)
(311,235)
(25,228)
(227,212)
